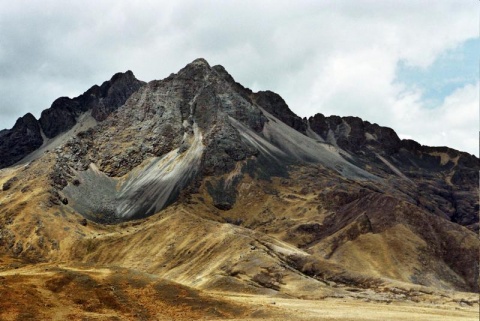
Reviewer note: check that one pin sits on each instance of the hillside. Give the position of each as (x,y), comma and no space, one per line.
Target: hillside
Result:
(198,185)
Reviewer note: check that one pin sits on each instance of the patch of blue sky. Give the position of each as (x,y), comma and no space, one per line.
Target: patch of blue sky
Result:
(453,69)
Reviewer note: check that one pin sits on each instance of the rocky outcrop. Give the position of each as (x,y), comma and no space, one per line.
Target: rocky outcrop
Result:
(275,105)
(114,93)
(354,134)
(224,149)
(244,92)
(184,118)
(24,137)
(101,100)
(61,116)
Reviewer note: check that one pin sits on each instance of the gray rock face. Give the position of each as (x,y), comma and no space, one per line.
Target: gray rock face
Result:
(354,134)
(224,148)
(183,117)
(246,93)
(196,124)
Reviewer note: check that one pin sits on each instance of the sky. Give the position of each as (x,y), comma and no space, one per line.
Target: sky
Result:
(409,65)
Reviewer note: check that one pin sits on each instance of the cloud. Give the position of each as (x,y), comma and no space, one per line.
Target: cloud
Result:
(333,57)
(455,121)
(451,70)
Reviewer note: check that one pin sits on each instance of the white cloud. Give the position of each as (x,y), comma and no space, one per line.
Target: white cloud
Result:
(454,123)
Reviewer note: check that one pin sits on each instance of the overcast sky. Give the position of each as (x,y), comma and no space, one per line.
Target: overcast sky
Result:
(409,65)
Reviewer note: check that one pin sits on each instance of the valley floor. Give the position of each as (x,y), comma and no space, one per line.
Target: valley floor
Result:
(353,310)
(82,292)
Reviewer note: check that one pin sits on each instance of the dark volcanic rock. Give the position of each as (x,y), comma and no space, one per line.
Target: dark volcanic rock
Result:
(103,100)
(22,139)
(114,93)
(8,184)
(25,137)
(61,116)
(223,194)
(354,134)
(275,105)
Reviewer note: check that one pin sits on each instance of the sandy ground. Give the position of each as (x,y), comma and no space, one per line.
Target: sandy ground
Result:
(52,292)
(346,310)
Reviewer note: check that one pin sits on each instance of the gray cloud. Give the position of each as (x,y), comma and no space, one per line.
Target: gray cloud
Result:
(333,57)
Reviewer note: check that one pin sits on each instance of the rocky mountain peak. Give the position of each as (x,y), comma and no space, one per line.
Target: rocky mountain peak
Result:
(126,76)
(275,105)
(203,108)
(325,192)
(100,100)
(114,93)
(28,118)
(24,137)
(196,69)
(199,62)
(63,114)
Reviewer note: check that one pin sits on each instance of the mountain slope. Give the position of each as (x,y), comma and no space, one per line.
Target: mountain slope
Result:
(201,181)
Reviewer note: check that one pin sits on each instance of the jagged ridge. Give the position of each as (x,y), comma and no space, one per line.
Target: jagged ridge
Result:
(26,135)
(227,154)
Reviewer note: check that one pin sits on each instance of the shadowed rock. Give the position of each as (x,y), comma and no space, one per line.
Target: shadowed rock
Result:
(102,100)
(24,137)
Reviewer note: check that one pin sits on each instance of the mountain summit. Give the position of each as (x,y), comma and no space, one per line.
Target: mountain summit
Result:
(315,202)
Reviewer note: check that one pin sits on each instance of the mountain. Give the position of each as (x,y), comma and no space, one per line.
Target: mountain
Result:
(196,179)
(28,134)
